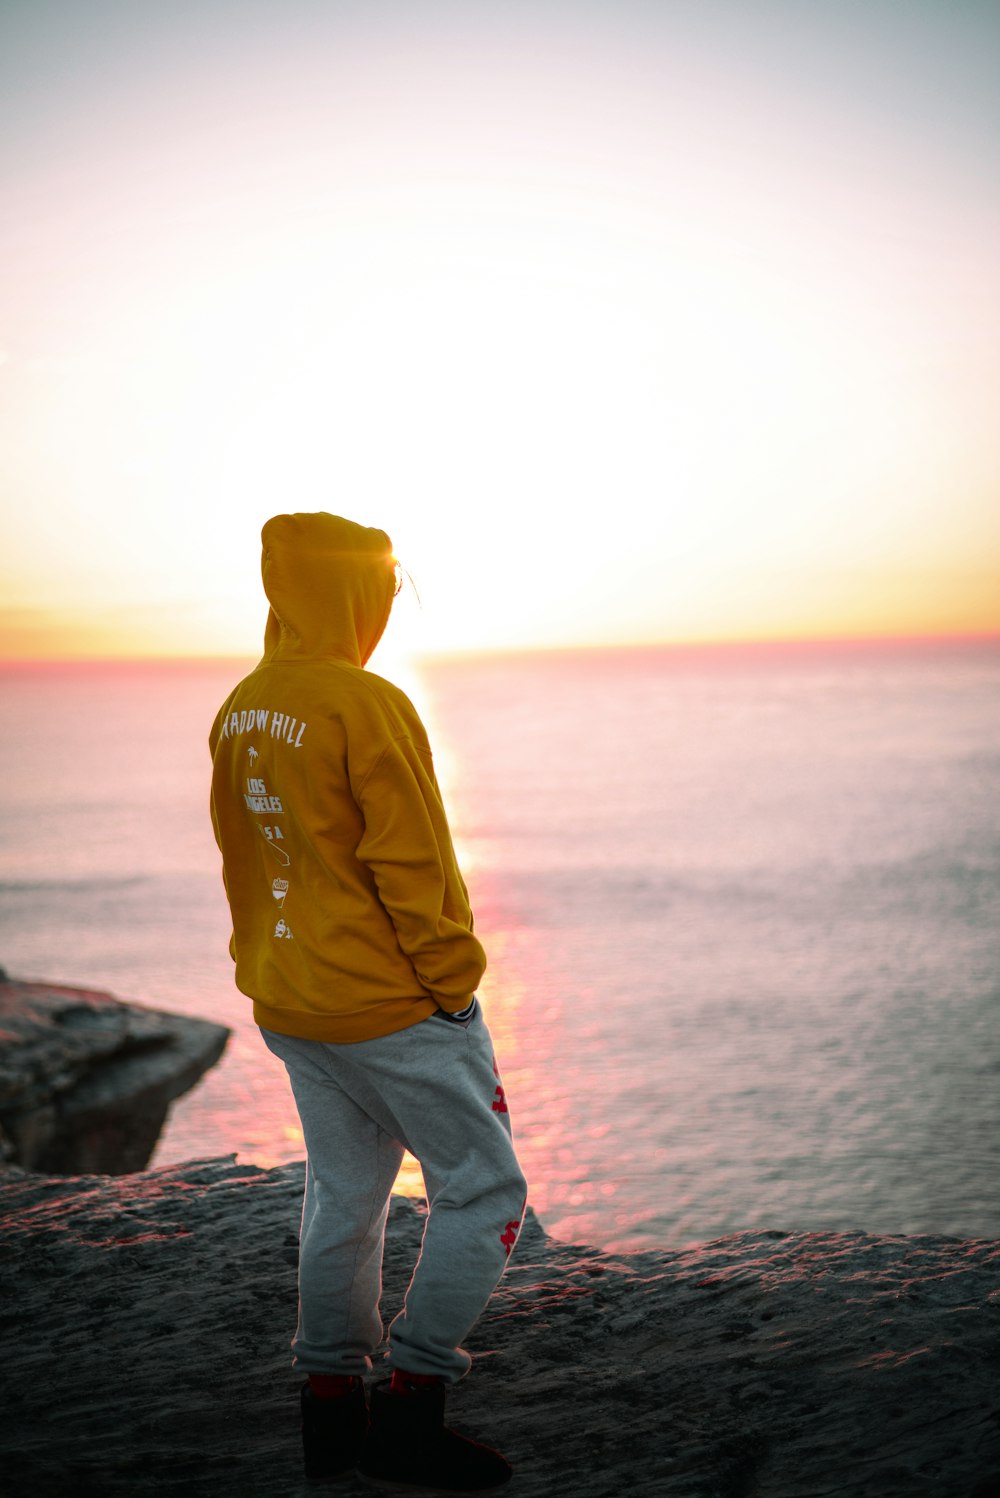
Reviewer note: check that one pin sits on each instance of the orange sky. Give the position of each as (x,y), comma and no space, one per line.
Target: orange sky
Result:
(628,322)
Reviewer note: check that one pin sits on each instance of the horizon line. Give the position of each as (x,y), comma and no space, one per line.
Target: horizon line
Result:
(705,645)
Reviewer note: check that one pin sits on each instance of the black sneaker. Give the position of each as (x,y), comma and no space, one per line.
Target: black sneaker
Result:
(410,1447)
(333,1431)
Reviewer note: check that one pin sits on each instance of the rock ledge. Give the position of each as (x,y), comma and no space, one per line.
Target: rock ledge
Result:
(86,1081)
(144,1338)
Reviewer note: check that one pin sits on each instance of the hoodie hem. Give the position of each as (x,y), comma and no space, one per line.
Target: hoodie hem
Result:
(345,1029)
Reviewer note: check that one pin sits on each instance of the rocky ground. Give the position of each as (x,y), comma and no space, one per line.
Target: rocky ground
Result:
(144,1350)
(86,1080)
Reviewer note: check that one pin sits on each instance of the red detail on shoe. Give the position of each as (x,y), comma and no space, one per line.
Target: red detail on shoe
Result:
(331,1385)
(409,1383)
(509,1235)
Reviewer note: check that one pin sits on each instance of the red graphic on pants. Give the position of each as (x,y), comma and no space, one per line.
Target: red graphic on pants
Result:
(509,1235)
(499,1101)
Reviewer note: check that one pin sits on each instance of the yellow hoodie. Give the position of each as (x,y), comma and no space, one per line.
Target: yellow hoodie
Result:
(350,916)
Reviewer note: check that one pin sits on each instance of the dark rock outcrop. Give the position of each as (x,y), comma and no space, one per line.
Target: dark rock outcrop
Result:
(144,1344)
(86,1081)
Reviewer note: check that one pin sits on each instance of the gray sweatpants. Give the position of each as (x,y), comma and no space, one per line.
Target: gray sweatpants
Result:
(432,1089)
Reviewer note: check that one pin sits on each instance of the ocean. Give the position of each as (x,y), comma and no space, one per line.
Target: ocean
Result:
(741,907)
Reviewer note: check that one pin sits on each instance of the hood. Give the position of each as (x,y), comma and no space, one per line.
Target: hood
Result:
(330,584)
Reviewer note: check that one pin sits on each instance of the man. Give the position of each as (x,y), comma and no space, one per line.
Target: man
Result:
(353,936)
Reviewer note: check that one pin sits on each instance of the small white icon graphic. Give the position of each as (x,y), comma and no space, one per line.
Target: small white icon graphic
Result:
(282,930)
(279,889)
(253,754)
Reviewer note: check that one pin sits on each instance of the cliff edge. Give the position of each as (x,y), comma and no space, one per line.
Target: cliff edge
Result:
(86,1080)
(144,1343)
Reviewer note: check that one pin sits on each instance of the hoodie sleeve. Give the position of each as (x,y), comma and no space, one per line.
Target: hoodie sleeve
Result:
(407,845)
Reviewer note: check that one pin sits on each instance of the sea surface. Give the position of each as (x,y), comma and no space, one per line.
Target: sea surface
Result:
(741,906)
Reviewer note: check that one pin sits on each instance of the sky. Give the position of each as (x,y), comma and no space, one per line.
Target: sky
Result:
(630,321)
